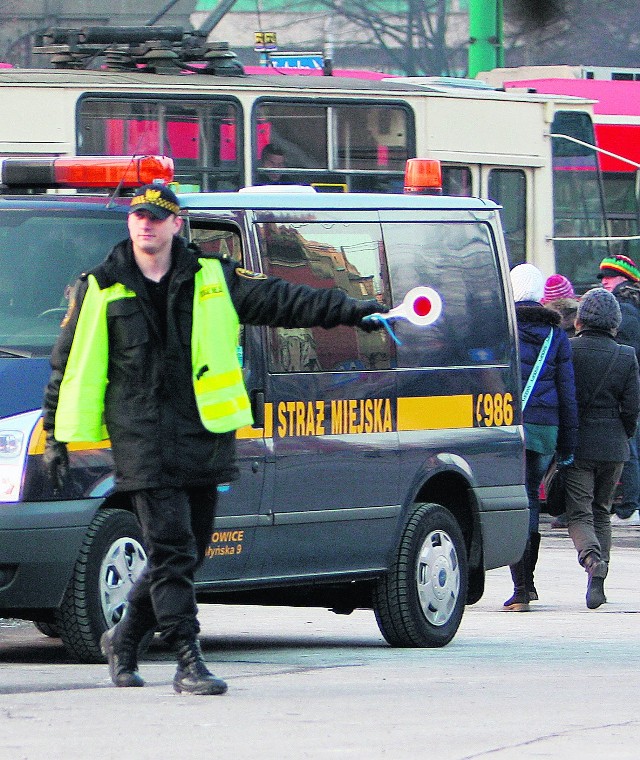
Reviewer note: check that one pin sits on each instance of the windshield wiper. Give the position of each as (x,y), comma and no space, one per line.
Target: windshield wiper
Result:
(13,352)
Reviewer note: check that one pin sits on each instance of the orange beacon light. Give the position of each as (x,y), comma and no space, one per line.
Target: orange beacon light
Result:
(423,176)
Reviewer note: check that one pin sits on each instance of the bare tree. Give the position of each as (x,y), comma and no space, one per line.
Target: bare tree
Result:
(603,33)
(414,42)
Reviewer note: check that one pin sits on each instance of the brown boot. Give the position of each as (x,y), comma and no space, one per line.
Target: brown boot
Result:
(597,570)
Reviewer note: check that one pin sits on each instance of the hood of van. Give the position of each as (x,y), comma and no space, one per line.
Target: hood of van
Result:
(22,384)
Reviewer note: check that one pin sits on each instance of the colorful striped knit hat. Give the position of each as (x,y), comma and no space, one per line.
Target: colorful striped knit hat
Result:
(557,286)
(619,266)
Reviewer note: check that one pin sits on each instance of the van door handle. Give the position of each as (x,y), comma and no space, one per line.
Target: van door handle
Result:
(257,408)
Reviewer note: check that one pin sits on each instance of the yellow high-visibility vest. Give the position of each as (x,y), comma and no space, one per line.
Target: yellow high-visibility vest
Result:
(219,389)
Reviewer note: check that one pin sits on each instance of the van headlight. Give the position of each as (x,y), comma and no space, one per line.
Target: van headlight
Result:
(15,434)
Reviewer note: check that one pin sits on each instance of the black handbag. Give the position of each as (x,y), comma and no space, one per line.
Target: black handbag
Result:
(555,478)
(554,481)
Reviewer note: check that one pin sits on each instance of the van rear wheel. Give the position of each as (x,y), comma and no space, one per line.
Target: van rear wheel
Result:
(110,561)
(420,601)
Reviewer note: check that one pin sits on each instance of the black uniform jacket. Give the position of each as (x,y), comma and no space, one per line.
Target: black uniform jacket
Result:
(156,434)
(606,422)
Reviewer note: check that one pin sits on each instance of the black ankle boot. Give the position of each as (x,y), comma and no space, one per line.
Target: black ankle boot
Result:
(519,601)
(193,675)
(533,559)
(597,570)
(120,646)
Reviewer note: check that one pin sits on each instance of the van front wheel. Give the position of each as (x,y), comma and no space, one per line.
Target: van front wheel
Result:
(421,599)
(110,561)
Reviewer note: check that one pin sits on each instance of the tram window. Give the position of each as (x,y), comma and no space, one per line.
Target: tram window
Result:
(460,263)
(326,255)
(623,211)
(298,130)
(508,187)
(200,136)
(370,137)
(456,180)
(363,146)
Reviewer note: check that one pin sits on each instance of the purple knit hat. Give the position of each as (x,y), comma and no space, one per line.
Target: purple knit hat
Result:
(557,286)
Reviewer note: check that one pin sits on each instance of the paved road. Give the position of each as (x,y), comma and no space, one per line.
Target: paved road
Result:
(560,682)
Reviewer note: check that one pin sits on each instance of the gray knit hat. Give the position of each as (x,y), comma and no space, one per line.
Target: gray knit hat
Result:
(599,309)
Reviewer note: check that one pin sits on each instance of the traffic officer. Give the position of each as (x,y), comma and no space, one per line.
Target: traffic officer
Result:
(147,356)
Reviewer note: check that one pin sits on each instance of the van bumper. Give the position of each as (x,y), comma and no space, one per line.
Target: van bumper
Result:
(39,545)
(504,519)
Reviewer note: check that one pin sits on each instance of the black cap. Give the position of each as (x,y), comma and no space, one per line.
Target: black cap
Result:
(157,199)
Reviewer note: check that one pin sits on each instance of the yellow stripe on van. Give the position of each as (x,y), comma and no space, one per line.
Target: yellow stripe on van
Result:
(248,432)
(435,412)
(39,437)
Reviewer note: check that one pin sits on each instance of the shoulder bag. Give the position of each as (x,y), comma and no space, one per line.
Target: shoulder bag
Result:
(554,480)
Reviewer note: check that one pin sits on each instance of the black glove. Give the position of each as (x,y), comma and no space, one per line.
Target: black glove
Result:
(364,308)
(56,462)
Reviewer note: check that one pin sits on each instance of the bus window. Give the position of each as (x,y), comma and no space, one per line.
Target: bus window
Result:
(456,180)
(623,211)
(363,146)
(459,262)
(370,137)
(577,200)
(327,255)
(508,187)
(199,135)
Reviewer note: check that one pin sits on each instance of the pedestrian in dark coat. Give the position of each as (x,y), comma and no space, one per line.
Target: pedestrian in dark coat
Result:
(620,276)
(550,415)
(608,391)
(560,296)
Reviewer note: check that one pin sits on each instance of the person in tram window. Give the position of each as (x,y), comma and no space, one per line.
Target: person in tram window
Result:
(272,159)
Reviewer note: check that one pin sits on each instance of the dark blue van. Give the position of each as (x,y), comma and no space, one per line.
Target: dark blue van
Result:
(380,473)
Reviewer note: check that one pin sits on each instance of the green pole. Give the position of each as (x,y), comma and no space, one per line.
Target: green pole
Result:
(486,43)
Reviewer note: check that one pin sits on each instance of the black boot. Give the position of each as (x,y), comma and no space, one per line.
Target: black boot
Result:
(120,646)
(193,675)
(597,570)
(534,548)
(519,601)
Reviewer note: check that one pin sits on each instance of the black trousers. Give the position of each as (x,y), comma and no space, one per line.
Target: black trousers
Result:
(176,526)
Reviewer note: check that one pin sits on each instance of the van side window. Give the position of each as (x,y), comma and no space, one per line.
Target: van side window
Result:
(458,260)
(343,255)
(220,241)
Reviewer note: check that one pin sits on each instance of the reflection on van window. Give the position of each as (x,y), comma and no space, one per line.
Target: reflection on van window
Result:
(219,241)
(326,255)
(41,255)
(459,262)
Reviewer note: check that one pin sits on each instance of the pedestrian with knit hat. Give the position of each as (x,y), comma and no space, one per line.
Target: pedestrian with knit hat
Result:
(608,393)
(621,277)
(560,296)
(549,410)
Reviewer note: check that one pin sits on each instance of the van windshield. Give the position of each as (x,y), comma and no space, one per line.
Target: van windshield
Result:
(42,253)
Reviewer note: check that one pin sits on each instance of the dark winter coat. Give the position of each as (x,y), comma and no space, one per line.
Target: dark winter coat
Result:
(609,420)
(157,437)
(552,401)
(628,296)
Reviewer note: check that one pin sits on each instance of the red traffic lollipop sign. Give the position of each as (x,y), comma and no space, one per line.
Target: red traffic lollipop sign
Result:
(421,306)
